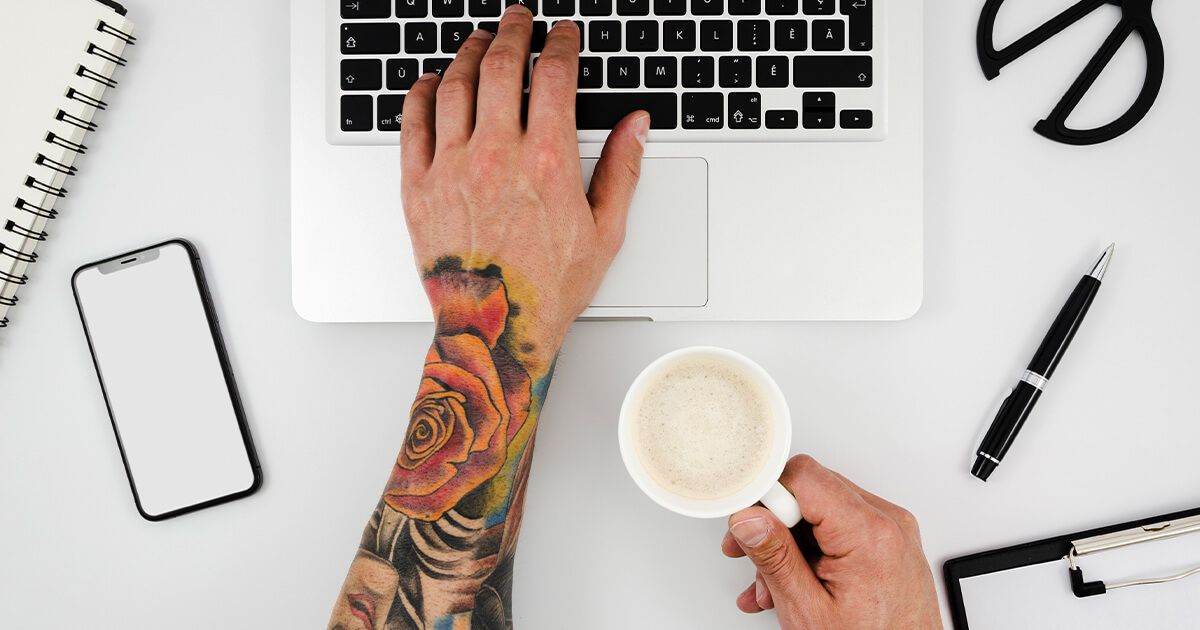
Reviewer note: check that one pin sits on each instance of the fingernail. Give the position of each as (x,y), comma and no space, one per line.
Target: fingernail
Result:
(751,532)
(760,589)
(480,33)
(641,129)
(515,7)
(427,76)
(564,23)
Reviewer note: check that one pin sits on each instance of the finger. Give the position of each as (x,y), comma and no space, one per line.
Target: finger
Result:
(747,603)
(730,548)
(502,73)
(552,91)
(782,567)
(455,118)
(841,519)
(417,128)
(762,594)
(616,177)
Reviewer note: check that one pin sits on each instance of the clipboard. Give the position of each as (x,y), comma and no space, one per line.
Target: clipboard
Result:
(1073,552)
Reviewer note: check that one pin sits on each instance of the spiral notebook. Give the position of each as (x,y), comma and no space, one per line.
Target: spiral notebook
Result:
(59,60)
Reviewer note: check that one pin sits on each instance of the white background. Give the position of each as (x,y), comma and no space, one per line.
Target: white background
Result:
(196,145)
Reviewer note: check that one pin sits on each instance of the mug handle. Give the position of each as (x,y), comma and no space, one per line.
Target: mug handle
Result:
(782,504)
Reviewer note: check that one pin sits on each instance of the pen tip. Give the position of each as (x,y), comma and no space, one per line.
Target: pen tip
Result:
(1101,266)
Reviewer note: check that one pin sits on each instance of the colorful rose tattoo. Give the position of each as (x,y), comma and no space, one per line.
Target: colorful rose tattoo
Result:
(448,522)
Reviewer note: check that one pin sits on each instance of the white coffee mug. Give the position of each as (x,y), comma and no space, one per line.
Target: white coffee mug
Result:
(765,488)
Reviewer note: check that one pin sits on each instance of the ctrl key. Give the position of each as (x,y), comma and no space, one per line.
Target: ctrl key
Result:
(357,111)
(391,110)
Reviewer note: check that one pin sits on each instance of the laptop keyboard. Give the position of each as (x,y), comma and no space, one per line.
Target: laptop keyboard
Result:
(705,70)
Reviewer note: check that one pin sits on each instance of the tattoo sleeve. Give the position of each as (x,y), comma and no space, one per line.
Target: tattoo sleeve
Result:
(438,551)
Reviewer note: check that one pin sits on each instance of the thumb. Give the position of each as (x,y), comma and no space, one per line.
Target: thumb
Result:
(773,550)
(616,176)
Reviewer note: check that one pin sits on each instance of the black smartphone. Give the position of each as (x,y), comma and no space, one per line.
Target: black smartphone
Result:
(166,379)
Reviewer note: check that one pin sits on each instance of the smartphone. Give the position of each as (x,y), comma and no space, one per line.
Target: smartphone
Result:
(166,379)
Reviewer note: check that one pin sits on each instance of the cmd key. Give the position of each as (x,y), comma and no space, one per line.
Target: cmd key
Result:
(603,110)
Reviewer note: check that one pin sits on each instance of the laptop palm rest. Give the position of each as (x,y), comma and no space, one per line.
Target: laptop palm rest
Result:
(664,262)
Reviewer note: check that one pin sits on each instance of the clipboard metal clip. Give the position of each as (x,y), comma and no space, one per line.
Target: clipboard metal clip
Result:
(1116,540)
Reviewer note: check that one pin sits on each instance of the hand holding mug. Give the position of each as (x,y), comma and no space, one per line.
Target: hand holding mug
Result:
(863,567)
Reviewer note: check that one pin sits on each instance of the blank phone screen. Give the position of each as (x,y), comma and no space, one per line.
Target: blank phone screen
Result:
(156,354)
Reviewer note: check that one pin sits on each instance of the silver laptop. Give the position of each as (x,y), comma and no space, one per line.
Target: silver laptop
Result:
(782,180)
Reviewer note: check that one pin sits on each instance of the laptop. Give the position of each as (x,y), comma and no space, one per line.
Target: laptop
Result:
(783,177)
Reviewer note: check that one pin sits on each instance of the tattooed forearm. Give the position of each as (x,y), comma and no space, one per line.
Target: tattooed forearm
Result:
(438,551)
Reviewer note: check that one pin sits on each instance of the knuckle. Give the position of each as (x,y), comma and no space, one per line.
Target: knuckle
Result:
(804,464)
(455,88)
(774,559)
(886,533)
(546,160)
(554,68)
(501,59)
(907,521)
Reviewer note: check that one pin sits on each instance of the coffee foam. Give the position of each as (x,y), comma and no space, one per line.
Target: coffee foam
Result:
(702,428)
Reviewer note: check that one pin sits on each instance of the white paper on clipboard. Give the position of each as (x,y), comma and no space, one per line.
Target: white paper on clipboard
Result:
(1039,596)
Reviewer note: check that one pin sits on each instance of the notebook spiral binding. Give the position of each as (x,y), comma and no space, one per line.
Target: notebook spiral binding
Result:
(34,236)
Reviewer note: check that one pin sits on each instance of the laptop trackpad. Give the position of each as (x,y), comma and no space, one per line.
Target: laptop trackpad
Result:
(665,258)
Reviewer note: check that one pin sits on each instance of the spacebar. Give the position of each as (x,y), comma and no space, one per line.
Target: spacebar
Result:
(603,110)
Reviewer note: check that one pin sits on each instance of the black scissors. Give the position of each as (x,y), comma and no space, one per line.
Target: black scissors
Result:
(1136,17)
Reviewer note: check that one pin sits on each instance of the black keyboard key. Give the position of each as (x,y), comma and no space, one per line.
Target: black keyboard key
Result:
(745,110)
(595,8)
(604,36)
(537,38)
(641,36)
(624,72)
(703,110)
(366,9)
(745,7)
(391,112)
(708,7)
(782,119)
(661,72)
(591,72)
(414,8)
(602,110)
(818,120)
(558,8)
(420,37)
(448,8)
(362,74)
(679,36)
(753,35)
(454,34)
(861,27)
(379,38)
(699,72)
(819,101)
(840,71)
(716,35)
(633,7)
(402,73)
(437,65)
(491,27)
(532,5)
(818,7)
(783,7)
(357,112)
(828,35)
(670,7)
(857,119)
(483,8)
(791,35)
(735,72)
(772,72)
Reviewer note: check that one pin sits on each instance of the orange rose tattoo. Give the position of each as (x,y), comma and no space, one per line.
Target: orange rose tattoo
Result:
(441,543)
(473,399)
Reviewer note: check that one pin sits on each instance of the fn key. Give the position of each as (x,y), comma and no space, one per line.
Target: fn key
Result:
(357,113)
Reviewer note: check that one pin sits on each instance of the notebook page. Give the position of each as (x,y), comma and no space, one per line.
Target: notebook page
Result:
(42,44)
(1040,596)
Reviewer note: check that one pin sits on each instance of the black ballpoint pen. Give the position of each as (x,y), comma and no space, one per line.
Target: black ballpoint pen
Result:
(1016,408)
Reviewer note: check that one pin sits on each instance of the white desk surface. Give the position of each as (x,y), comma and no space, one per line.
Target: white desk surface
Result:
(196,145)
